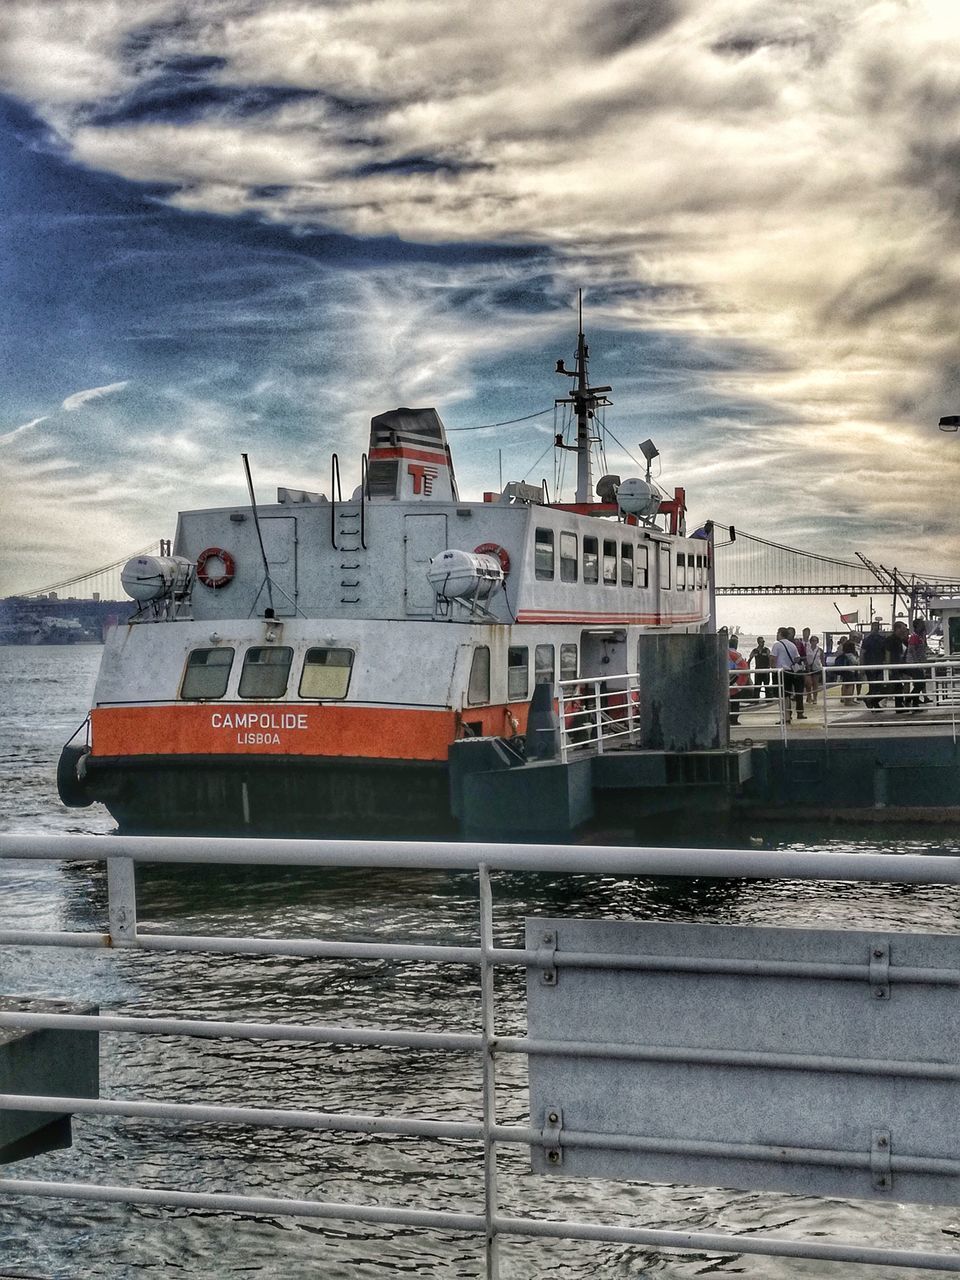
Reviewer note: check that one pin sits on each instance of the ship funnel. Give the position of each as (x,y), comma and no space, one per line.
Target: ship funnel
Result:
(410,458)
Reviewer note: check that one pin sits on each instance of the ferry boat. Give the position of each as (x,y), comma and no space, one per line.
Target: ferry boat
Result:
(306,666)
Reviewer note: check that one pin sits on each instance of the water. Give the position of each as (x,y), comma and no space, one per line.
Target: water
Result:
(44,693)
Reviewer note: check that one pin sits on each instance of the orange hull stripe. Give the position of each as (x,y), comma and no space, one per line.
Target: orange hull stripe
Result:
(294,729)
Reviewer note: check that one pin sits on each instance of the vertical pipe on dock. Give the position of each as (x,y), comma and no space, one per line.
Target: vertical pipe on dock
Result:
(489,1069)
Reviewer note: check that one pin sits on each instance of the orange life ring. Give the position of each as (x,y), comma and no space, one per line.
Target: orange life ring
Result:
(218,580)
(494,549)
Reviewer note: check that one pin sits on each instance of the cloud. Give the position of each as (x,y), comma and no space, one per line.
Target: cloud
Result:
(760,198)
(21,430)
(80,398)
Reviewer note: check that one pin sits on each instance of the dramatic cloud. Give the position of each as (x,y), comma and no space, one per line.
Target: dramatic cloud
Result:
(761,199)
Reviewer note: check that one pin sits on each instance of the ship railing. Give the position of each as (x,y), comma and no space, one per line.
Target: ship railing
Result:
(489,1223)
(851,698)
(597,714)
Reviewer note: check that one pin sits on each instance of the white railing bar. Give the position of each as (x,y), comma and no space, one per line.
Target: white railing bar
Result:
(222,1202)
(53,938)
(189,943)
(471,1131)
(449,1041)
(261,1117)
(449,855)
(519,1136)
(697,1241)
(528,1228)
(727,1058)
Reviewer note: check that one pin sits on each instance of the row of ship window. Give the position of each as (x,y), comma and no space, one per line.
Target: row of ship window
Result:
(266,673)
(626,564)
(325,674)
(518,670)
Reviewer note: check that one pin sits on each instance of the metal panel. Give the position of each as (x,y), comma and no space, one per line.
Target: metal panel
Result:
(839,1085)
(280,544)
(424,536)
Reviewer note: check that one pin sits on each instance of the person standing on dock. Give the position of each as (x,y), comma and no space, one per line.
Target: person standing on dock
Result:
(871,655)
(917,652)
(762,662)
(787,658)
(813,659)
(894,653)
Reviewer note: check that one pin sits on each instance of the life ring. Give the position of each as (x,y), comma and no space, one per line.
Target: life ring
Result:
(494,549)
(221,579)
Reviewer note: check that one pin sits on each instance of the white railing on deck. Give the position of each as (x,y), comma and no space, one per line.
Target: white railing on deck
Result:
(598,713)
(122,854)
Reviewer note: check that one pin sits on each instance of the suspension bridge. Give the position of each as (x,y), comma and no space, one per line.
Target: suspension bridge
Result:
(746,565)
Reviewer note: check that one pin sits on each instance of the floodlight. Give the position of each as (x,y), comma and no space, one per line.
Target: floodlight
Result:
(950,423)
(650,450)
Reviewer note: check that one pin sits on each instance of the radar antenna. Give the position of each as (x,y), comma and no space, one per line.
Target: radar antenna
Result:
(585,400)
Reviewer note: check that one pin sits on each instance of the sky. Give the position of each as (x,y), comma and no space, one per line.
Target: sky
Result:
(233,225)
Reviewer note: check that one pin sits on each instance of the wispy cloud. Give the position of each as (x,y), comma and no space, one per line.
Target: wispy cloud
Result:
(80,398)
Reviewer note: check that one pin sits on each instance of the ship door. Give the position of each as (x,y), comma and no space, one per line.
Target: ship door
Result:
(664,582)
(280,544)
(423,538)
(603,653)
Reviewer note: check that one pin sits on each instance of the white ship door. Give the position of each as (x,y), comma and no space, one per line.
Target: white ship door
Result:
(664,581)
(423,538)
(280,544)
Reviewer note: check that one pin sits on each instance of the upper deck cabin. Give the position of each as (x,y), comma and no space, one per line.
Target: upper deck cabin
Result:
(370,560)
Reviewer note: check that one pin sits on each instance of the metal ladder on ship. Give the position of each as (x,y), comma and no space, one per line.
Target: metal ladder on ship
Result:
(348,532)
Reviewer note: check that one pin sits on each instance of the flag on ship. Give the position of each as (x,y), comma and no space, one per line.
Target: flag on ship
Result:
(850,617)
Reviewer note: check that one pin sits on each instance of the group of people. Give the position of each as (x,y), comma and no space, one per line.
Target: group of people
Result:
(800,662)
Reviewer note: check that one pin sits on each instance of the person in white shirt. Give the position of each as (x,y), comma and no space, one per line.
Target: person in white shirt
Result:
(787,658)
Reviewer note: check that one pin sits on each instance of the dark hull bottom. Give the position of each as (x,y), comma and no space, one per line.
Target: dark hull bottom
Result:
(272,796)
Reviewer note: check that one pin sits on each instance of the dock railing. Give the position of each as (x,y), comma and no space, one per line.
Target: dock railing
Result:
(490,1225)
(875,696)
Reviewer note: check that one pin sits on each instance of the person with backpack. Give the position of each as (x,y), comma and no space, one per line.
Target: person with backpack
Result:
(791,668)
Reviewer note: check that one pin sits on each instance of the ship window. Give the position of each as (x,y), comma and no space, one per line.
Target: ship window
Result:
(664,567)
(207,673)
(681,572)
(518,661)
(691,574)
(568,557)
(642,565)
(543,556)
(591,560)
(609,562)
(568,662)
(626,564)
(701,572)
(543,664)
(326,673)
(478,689)
(265,672)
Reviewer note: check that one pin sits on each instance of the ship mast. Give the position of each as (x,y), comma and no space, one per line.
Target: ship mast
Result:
(585,400)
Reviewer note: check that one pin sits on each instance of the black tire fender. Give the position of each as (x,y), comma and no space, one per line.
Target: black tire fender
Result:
(71,785)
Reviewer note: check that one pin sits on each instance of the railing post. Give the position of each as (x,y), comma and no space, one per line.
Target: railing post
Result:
(122,896)
(781,703)
(631,722)
(598,722)
(823,695)
(489,1068)
(562,717)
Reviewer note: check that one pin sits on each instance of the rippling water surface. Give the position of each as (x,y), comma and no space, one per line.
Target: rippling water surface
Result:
(44,694)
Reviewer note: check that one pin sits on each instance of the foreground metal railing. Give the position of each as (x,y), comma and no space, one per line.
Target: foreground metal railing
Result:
(122,854)
(849,697)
